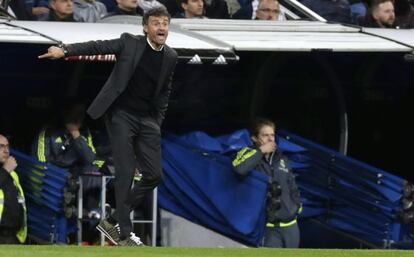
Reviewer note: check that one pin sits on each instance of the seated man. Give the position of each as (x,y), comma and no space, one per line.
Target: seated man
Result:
(38,8)
(17,9)
(126,7)
(268,10)
(283,200)
(13,227)
(216,9)
(192,9)
(404,13)
(261,10)
(70,146)
(61,10)
(331,10)
(381,14)
(89,10)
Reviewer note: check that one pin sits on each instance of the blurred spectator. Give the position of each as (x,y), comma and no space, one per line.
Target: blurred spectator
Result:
(89,10)
(250,11)
(268,10)
(109,4)
(216,9)
(69,145)
(17,9)
(233,6)
(146,5)
(61,10)
(404,12)
(13,225)
(358,10)
(381,14)
(126,7)
(173,6)
(331,10)
(38,8)
(192,9)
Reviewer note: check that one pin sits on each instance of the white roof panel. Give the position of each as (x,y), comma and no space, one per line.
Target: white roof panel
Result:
(18,35)
(69,33)
(305,41)
(403,36)
(253,35)
(222,35)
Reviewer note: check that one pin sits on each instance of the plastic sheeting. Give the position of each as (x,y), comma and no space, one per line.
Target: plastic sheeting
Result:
(200,185)
(341,192)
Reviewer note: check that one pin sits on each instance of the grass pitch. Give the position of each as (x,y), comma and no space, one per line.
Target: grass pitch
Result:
(108,251)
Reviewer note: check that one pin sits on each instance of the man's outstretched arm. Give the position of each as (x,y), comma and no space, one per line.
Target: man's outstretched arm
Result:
(113,46)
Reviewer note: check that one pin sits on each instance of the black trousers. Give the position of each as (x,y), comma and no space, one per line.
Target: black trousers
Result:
(8,236)
(135,140)
(282,237)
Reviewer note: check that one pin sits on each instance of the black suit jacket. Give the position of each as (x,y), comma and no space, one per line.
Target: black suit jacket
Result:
(128,50)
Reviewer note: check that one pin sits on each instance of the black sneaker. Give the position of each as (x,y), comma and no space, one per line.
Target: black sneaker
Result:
(109,230)
(132,240)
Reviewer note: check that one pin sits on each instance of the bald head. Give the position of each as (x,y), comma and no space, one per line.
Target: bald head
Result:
(268,10)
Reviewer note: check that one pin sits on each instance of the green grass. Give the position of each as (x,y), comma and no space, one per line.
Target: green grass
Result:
(110,251)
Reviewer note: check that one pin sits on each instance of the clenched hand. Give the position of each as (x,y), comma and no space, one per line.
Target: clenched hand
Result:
(53,52)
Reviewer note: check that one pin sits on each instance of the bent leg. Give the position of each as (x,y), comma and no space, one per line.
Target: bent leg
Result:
(148,154)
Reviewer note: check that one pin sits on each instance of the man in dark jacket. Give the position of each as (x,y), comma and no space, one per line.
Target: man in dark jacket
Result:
(283,200)
(61,10)
(331,10)
(70,144)
(125,7)
(13,226)
(381,14)
(135,98)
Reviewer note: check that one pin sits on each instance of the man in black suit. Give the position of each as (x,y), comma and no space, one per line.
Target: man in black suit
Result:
(134,99)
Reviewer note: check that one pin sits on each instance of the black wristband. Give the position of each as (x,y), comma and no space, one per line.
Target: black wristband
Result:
(65,51)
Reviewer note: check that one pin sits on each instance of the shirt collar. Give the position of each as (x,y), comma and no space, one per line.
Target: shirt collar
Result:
(153,47)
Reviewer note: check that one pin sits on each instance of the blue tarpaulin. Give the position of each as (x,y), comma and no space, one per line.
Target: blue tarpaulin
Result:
(203,188)
(344,193)
(200,185)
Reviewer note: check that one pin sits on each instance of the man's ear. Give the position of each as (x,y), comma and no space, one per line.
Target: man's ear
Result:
(375,14)
(146,28)
(184,6)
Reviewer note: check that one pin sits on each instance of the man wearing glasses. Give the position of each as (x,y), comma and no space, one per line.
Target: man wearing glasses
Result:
(13,227)
(268,10)
(260,10)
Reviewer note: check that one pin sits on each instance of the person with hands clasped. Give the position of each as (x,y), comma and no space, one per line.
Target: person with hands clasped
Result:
(13,225)
(283,199)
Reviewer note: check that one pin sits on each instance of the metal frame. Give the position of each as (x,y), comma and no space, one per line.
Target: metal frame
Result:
(104,181)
